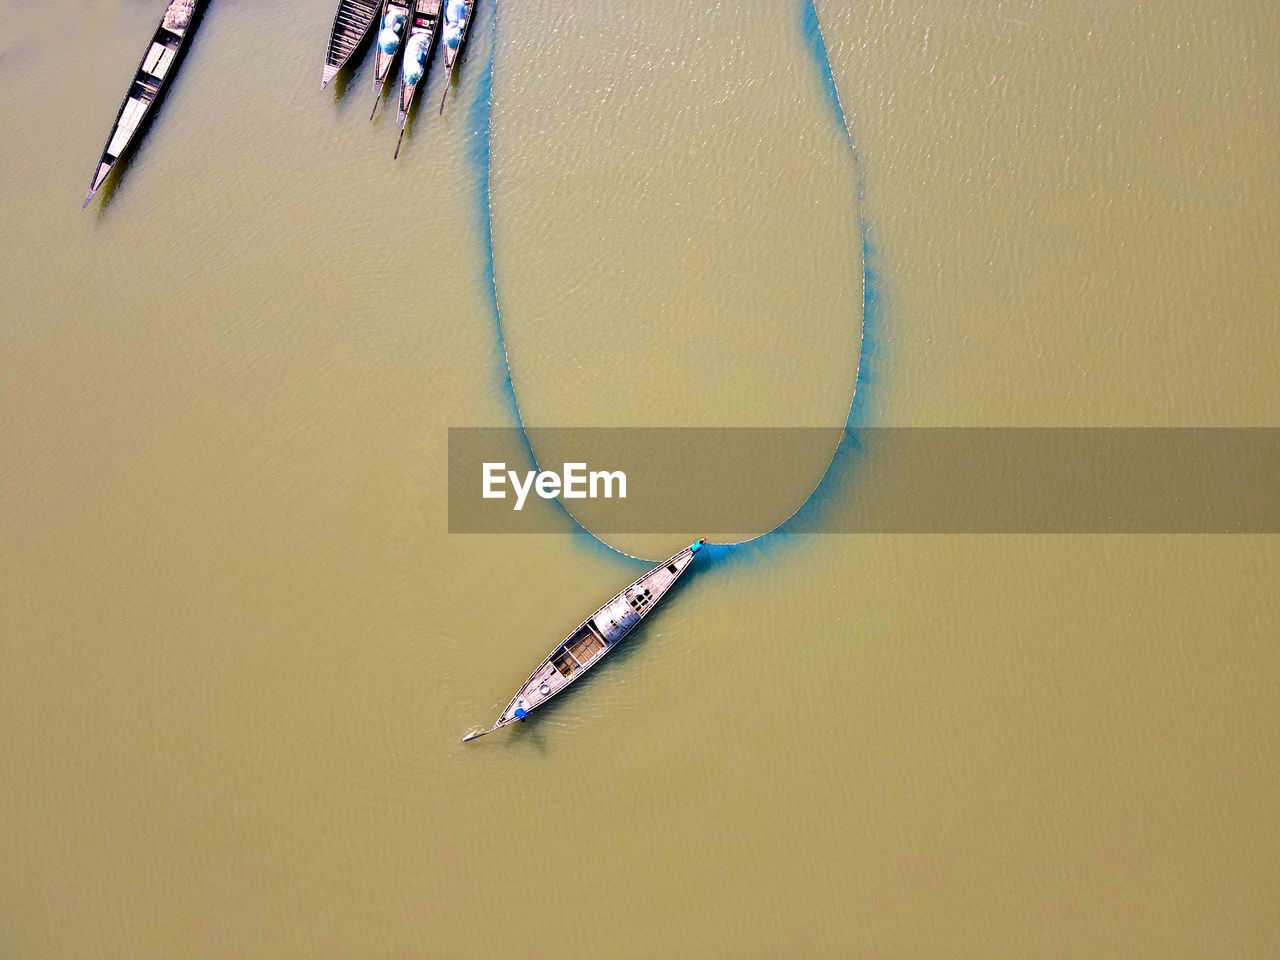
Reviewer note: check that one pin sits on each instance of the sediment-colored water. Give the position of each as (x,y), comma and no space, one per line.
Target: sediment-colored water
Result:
(240,647)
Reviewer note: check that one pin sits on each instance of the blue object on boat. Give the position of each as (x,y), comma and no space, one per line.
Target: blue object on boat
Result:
(521,713)
(415,59)
(695,546)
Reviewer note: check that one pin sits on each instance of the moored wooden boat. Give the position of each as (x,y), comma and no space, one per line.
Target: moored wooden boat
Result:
(159,65)
(457,21)
(351,24)
(391,30)
(593,638)
(424,25)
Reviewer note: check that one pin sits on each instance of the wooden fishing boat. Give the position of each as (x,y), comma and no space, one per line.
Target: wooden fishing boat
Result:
(424,26)
(159,65)
(351,24)
(593,638)
(391,30)
(457,21)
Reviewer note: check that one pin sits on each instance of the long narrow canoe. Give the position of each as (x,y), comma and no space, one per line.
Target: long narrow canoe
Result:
(351,24)
(457,21)
(424,26)
(391,28)
(159,65)
(593,638)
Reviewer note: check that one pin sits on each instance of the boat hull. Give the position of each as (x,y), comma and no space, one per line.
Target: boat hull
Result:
(592,639)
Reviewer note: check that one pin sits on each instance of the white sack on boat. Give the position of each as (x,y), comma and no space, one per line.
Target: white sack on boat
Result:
(455,11)
(416,48)
(415,59)
(388,40)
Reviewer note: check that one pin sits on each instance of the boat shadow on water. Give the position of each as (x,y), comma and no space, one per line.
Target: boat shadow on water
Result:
(380,106)
(342,83)
(411,121)
(107,192)
(120,173)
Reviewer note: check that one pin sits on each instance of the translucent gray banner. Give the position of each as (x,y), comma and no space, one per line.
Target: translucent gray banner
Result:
(737,482)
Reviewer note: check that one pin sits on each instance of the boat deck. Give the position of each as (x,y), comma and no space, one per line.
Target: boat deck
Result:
(585,646)
(351,25)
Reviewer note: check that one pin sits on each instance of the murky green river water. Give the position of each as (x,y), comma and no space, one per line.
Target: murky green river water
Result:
(239,647)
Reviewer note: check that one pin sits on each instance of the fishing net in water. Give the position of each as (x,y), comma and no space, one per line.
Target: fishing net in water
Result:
(178,14)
